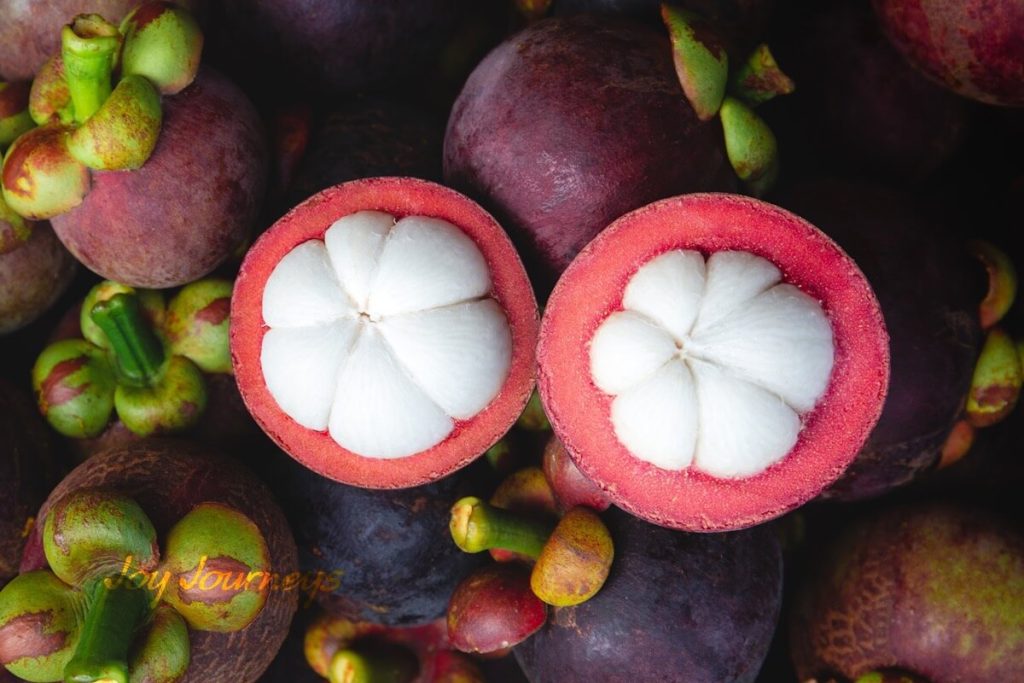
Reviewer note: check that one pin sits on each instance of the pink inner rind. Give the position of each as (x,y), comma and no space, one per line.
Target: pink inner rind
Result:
(592,288)
(510,288)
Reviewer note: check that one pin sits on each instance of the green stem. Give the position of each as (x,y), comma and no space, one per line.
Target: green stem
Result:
(477,526)
(89,46)
(385,664)
(140,354)
(116,610)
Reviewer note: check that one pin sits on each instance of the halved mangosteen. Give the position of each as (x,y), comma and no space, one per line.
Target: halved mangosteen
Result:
(383,332)
(712,361)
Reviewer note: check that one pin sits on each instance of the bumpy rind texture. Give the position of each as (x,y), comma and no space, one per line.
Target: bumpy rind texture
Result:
(676,607)
(933,589)
(168,478)
(190,206)
(929,289)
(570,124)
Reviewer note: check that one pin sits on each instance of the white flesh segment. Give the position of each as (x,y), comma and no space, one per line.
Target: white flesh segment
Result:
(779,340)
(354,243)
(458,355)
(302,290)
(301,364)
(733,278)
(743,428)
(378,411)
(657,419)
(668,289)
(426,263)
(626,350)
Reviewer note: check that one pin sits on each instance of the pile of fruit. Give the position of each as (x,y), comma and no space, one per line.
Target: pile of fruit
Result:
(556,341)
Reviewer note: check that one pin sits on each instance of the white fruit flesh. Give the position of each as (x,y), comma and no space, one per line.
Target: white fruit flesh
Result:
(711,365)
(384,334)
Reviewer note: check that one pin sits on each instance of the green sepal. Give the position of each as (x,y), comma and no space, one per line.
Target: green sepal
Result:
(40,177)
(375,662)
(197,324)
(50,99)
(218,562)
(40,625)
(700,58)
(74,386)
(122,134)
(172,403)
(760,79)
(95,533)
(14,230)
(164,44)
(14,116)
(996,382)
(750,145)
(164,653)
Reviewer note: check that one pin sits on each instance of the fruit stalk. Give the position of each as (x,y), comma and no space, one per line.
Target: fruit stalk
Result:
(88,47)
(477,526)
(116,611)
(139,353)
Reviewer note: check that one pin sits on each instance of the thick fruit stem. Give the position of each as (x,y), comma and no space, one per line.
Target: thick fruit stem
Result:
(116,611)
(89,46)
(394,664)
(139,353)
(477,526)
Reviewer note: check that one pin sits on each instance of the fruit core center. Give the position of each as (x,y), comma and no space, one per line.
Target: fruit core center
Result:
(712,364)
(384,334)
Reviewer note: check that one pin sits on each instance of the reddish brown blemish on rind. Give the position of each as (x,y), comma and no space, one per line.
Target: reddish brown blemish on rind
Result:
(14,167)
(149,12)
(54,391)
(218,580)
(24,636)
(215,312)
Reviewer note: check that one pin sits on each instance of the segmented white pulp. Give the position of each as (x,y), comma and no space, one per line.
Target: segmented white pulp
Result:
(384,333)
(711,364)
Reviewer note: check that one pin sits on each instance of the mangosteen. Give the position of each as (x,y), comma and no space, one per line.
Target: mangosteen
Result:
(331,46)
(383,332)
(676,607)
(153,179)
(179,492)
(28,470)
(933,589)
(368,137)
(385,557)
(859,107)
(973,47)
(712,361)
(571,123)
(929,287)
(32,277)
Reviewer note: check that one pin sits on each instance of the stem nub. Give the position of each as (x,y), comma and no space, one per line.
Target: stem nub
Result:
(139,352)
(476,526)
(116,610)
(89,46)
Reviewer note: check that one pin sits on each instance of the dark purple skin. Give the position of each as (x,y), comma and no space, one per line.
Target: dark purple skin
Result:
(973,47)
(859,105)
(676,607)
(399,565)
(929,288)
(330,46)
(572,123)
(190,206)
(28,470)
(365,138)
(32,278)
(168,478)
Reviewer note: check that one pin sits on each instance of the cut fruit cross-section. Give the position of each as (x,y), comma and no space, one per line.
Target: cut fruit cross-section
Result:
(712,361)
(383,320)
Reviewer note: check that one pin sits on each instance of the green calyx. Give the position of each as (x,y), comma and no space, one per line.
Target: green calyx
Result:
(40,178)
(750,145)
(122,134)
(219,566)
(376,663)
(50,99)
(701,61)
(477,526)
(14,115)
(197,324)
(997,380)
(124,364)
(164,44)
(39,626)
